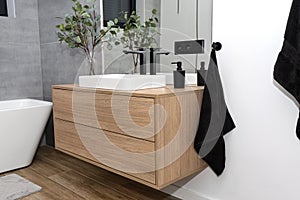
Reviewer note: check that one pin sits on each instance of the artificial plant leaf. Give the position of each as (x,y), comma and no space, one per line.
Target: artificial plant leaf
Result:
(62,27)
(77,39)
(68,27)
(110,23)
(116,20)
(89,23)
(60,35)
(85,15)
(102,32)
(113,32)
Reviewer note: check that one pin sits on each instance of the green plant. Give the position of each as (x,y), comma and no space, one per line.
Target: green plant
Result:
(137,34)
(82,29)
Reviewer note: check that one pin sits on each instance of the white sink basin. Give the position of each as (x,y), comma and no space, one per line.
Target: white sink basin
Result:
(190,78)
(122,81)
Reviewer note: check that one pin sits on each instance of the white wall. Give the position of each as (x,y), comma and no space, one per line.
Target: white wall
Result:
(263,153)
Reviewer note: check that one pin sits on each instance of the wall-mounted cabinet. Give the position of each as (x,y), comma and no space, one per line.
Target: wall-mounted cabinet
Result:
(146,136)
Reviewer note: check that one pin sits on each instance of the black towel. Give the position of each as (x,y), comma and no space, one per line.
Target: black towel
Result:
(287,67)
(215,120)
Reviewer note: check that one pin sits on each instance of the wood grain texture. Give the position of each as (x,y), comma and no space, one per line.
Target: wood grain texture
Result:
(86,188)
(179,158)
(145,93)
(115,151)
(126,115)
(173,115)
(63,177)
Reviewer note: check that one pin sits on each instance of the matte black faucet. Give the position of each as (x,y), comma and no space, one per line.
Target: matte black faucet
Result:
(142,53)
(153,53)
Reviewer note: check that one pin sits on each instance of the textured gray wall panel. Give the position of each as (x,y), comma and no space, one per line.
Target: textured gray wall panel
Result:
(20,60)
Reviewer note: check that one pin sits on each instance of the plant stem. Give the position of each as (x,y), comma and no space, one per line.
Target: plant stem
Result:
(90,60)
(135,62)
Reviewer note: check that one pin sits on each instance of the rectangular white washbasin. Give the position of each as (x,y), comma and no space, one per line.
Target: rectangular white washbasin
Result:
(190,78)
(123,81)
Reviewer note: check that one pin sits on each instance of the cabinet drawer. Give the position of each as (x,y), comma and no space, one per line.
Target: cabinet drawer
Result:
(121,114)
(126,154)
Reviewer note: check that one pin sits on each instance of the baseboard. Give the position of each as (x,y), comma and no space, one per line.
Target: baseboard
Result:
(184,193)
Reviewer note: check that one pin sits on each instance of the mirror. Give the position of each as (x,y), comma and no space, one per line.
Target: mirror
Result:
(180,20)
(113,8)
(185,20)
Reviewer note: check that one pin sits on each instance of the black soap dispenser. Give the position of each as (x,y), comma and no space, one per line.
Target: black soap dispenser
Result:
(179,75)
(201,74)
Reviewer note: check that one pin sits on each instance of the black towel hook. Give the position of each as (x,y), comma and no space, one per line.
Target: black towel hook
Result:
(217,46)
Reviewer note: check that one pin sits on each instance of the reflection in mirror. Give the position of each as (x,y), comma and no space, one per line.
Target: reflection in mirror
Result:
(7,8)
(179,20)
(113,8)
(185,20)
(3,8)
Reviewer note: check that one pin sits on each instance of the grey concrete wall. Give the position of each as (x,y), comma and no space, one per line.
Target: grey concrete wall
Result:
(20,60)
(59,63)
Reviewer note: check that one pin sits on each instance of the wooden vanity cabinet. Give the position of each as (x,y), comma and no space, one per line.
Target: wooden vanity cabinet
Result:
(145,135)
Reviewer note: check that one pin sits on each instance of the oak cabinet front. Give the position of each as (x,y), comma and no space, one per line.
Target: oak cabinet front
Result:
(145,135)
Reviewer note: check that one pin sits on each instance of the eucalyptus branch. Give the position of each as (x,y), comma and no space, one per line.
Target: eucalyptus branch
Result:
(71,38)
(82,29)
(137,34)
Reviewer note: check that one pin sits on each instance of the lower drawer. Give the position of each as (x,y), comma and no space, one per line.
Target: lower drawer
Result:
(126,154)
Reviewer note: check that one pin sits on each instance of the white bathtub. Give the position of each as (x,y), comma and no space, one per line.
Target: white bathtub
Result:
(22,123)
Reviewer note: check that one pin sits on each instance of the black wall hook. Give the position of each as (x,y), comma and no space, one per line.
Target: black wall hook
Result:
(217,46)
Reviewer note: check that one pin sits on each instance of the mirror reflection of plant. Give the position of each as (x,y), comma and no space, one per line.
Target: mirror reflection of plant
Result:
(137,34)
(82,29)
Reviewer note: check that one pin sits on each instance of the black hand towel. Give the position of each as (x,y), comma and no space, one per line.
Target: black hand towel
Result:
(215,120)
(287,67)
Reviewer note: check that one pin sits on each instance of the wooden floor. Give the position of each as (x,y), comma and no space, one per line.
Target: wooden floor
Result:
(64,177)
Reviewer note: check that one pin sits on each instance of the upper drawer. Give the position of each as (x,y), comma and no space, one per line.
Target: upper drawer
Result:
(122,114)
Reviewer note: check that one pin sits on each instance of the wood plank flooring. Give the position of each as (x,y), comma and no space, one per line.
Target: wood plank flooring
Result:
(63,177)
